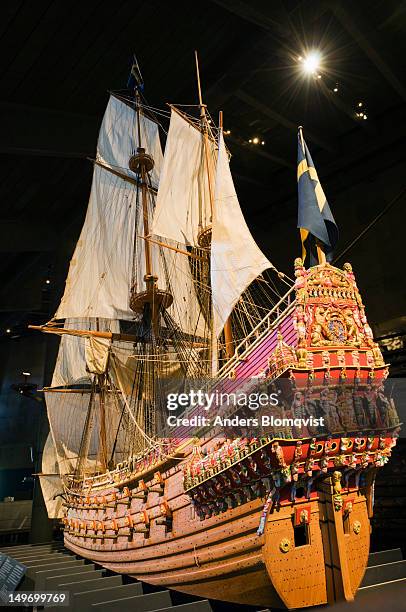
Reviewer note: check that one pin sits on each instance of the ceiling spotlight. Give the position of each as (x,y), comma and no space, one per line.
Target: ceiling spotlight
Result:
(47,281)
(311,62)
(335,89)
(8,330)
(359,104)
(255,140)
(262,142)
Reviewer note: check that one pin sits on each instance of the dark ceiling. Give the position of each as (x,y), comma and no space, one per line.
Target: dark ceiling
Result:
(59,59)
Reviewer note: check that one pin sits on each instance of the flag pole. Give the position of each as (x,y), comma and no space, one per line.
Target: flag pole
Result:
(301,138)
(321,256)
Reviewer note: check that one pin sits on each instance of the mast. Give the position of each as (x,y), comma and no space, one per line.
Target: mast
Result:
(205,232)
(102,430)
(102,433)
(204,237)
(142,163)
(228,332)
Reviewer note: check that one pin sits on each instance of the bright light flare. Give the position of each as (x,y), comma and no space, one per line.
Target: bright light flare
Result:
(311,62)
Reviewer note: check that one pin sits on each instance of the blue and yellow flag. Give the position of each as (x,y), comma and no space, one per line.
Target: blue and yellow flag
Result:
(315,219)
(135,80)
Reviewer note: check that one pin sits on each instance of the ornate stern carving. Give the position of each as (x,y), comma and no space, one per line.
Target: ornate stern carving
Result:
(330,313)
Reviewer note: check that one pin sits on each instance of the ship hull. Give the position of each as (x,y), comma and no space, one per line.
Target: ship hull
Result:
(278,520)
(219,558)
(224,558)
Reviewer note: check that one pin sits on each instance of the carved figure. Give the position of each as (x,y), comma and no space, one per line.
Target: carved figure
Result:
(328,401)
(325,356)
(316,337)
(345,409)
(337,499)
(347,267)
(384,407)
(351,328)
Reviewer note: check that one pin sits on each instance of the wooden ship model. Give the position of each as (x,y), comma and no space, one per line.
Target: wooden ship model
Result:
(166,285)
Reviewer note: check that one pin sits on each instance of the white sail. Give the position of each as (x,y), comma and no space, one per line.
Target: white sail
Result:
(118,139)
(236,259)
(184,186)
(50,481)
(100,273)
(174,274)
(185,310)
(67,413)
(70,367)
(105,265)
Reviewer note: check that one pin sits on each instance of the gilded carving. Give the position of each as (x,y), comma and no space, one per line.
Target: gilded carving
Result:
(285,545)
(301,354)
(356,526)
(337,499)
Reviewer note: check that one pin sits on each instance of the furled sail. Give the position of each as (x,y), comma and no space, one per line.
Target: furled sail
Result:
(100,272)
(70,367)
(236,259)
(79,358)
(183,201)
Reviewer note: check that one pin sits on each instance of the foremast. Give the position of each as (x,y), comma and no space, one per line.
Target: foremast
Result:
(105,399)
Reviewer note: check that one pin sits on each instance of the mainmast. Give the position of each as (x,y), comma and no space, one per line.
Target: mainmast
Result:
(204,235)
(142,163)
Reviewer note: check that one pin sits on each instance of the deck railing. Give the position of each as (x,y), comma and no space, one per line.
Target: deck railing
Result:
(270,322)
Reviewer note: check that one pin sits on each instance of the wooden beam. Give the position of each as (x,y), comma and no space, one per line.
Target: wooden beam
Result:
(267,111)
(60,331)
(248,12)
(369,49)
(172,248)
(342,106)
(27,235)
(28,130)
(259,151)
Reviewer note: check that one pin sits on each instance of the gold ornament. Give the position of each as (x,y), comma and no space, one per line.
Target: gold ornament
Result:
(285,545)
(337,499)
(356,527)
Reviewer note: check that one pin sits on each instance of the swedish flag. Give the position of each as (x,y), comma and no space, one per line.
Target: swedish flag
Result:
(315,219)
(135,80)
